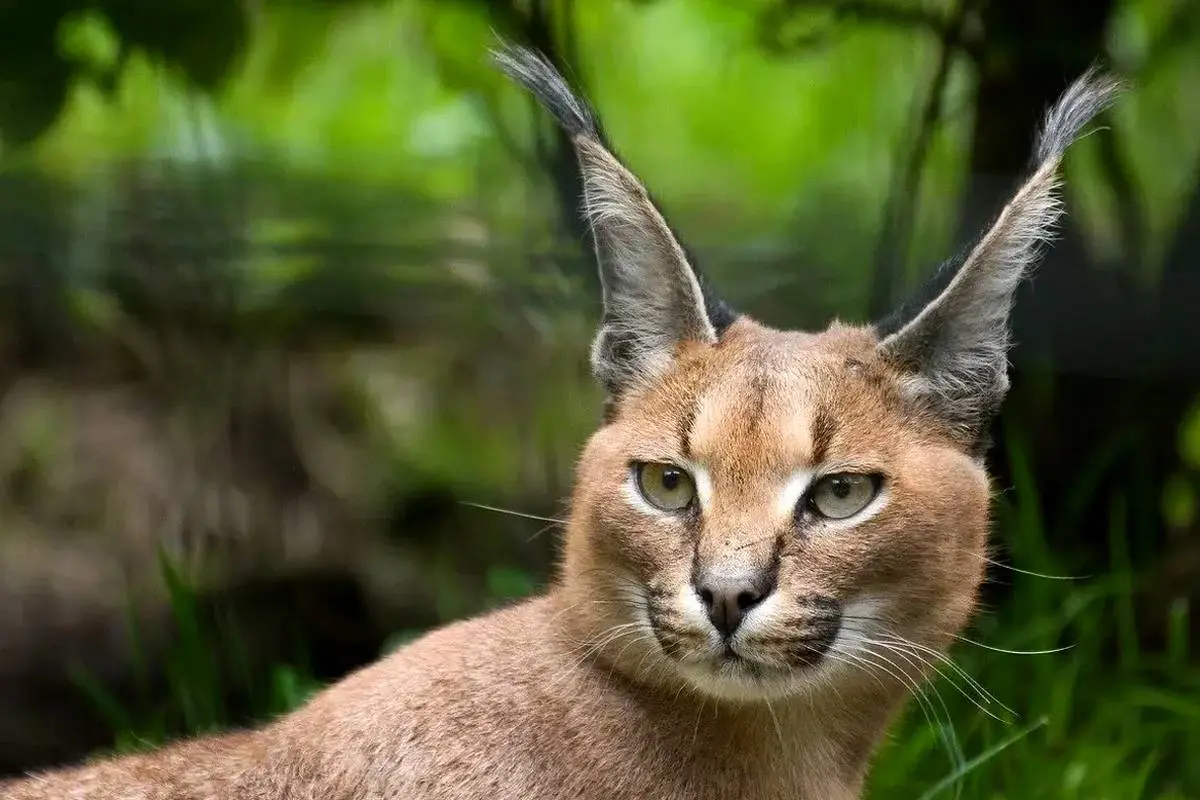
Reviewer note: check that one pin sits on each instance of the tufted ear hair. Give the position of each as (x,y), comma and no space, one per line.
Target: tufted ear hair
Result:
(654,300)
(953,349)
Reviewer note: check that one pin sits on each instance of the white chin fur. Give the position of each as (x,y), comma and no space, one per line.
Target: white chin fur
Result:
(745,683)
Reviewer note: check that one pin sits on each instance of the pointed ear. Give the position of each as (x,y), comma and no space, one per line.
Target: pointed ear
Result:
(654,300)
(953,349)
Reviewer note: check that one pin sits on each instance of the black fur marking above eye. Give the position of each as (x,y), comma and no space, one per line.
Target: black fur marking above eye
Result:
(824,426)
(685,429)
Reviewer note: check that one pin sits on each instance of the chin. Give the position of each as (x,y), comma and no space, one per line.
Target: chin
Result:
(743,680)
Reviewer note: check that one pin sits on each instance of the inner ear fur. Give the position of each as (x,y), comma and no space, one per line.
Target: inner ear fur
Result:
(654,299)
(952,350)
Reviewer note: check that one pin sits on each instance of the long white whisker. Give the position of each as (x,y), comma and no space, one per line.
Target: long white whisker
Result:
(1015,652)
(944,723)
(861,657)
(1030,572)
(775,722)
(949,662)
(512,513)
(910,656)
(589,648)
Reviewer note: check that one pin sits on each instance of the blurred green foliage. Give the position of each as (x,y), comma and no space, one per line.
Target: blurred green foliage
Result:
(741,143)
(401,92)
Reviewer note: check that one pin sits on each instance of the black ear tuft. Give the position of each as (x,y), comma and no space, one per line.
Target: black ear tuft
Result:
(952,345)
(654,300)
(537,75)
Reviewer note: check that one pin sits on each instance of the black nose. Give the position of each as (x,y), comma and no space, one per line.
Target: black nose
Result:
(728,601)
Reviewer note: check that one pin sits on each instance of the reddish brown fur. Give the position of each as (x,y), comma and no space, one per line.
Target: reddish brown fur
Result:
(540,701)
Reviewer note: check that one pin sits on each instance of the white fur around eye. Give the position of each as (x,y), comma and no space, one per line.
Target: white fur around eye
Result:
(703,482)
(793,490)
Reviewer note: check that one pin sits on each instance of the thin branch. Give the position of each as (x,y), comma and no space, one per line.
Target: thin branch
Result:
(555,150)
(774,21)
(903,200)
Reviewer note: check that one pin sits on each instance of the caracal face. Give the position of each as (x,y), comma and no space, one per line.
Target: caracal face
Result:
(773,516)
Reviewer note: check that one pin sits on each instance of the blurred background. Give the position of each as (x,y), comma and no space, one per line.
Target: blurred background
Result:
(296,302)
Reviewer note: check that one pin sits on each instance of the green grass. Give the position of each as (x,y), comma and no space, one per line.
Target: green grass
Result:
(1104,719)
(204,666)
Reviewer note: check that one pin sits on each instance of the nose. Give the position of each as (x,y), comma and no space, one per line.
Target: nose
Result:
(728,600)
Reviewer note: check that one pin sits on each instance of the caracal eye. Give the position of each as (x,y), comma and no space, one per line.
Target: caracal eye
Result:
(665,486)
(843,494)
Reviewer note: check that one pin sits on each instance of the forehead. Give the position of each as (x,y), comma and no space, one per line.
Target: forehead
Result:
(769,402)
(760,417)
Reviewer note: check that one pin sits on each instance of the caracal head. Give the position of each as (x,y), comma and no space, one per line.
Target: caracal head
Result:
(767,512)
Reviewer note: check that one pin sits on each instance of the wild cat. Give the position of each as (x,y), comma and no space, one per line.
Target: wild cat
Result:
(770,532)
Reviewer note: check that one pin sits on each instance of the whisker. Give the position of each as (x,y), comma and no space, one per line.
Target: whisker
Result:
(910,649)
(699,715)
(539,532)
(1030,572)
(860,656)
(510,512)
(588,649)
(753,542)
(1015,652)
(643,670)
(910,657)
(945,659)
(943,723)
(775,722)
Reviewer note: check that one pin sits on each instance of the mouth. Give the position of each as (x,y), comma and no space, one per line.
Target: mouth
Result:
(744,672)
(731,664)
(782,654)
(731,661)
(795,654)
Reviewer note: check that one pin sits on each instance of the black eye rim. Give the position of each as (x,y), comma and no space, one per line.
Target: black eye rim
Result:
(808,506)
(638,467)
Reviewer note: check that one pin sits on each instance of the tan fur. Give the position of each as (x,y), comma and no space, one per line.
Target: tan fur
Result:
(548,699)
(615,683)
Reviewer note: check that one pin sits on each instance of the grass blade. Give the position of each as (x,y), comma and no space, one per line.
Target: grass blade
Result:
(987,755)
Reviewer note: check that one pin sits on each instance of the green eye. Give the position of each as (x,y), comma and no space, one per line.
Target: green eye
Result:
(843,495)
(665,486)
